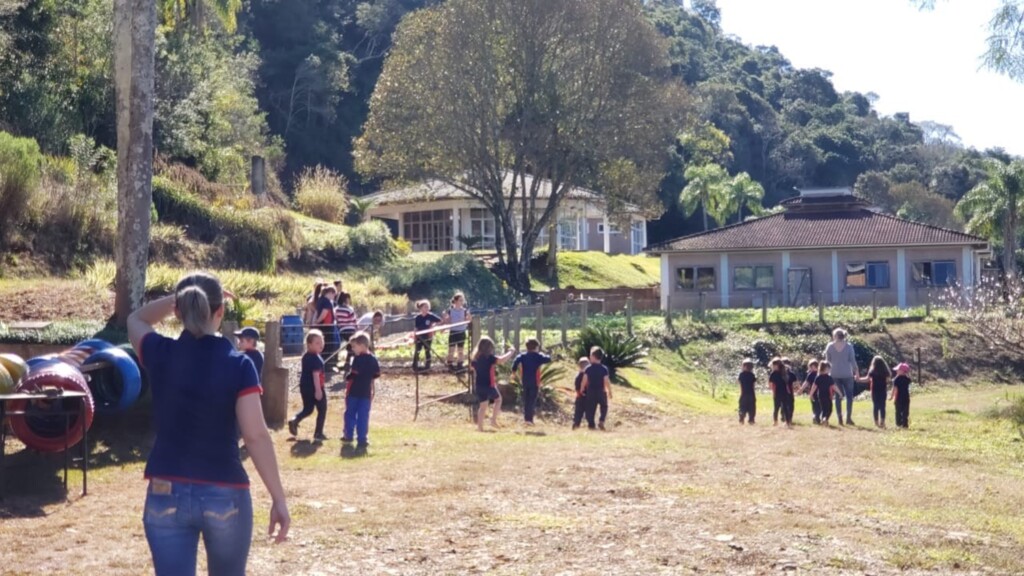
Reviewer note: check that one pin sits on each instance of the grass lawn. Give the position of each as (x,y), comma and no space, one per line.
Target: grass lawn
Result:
(597,271)
(675,486)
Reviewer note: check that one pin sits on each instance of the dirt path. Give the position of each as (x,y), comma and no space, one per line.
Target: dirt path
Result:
(663,492)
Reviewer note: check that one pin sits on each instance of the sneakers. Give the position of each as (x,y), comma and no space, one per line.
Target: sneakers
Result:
(293,427)
(346,440)
(601,425)
(850,422)
(319,437)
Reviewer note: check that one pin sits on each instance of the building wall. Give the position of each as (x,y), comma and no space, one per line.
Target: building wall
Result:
(825,285)
(619,243)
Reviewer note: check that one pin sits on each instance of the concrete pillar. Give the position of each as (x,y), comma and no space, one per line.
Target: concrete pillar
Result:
(274,378)
(786,298)
(835,277)
(607,235)
(901,278)
(457,229)
(723,281)
(667,282)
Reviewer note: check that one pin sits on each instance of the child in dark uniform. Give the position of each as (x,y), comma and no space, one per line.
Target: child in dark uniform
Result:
(748,396)
(812,373)
(792,379)
(901,395)
(311,387)
(529,363)
(580,405)
(248,344)
(878,382)
(424,321)
(359,390)
(484,364)
(824,389)
(597,388)
(782,394)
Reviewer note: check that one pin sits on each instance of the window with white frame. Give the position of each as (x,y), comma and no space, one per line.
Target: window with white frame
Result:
(568,231)
(867,275)
(753,277)
(612,228)
(482,226)
(636,236)
(935,273)
(428,230)
(695,278)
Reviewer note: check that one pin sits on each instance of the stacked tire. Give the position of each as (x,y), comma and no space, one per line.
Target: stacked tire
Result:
(42,426)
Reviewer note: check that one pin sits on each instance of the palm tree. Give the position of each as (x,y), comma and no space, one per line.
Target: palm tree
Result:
(358,208)
(704,187)
(175,12)
(994,207)
(743,191)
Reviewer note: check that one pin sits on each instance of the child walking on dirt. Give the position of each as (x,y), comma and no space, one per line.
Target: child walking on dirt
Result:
(529,364)
(824,389)
(579,409)
(901,395)
(812,373)
(359,390)
(782,392)
(878,382)
(424,321)
(457,314)
(597,388)
(748,395)
(311,387)
(484,364)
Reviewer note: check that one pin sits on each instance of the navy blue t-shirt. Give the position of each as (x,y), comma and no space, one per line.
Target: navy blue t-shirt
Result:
(780,383)
(324,303)
(595,375)
(484,372)
(257,360)
(311,363)
(196,384)
(579,381)
(365,369)
(879,382)
(424,321)
(747,381)
(902,385)
(530,363)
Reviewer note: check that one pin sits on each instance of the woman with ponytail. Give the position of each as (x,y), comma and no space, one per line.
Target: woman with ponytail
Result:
(203,391)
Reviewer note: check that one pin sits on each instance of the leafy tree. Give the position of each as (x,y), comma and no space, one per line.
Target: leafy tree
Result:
(482,94)
(174,13)
(741,191)
(1005,51)
(705,187)
(993,208)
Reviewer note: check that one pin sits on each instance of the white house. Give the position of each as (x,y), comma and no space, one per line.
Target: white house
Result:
(433,216)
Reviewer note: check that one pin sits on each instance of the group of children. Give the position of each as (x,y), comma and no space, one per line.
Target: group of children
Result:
(329,309)
(457,317)
(823,391)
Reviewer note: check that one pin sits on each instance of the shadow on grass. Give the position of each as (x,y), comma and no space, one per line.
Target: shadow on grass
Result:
(305,448)
(348,451)
(35,480)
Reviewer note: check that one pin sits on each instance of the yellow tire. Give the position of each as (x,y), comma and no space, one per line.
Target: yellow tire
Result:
(6,382)
(15,365)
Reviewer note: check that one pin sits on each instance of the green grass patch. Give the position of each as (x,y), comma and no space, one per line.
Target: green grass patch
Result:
(666,378)
(600,271)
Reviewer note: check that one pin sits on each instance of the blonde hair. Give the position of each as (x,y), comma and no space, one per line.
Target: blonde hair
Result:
(312,335)
(197,297)
(361,339)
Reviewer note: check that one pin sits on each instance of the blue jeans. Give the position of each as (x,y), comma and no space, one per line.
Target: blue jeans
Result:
(177,513)
(357,418)
(848,386)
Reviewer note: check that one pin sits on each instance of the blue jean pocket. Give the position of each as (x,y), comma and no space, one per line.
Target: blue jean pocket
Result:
(161,510)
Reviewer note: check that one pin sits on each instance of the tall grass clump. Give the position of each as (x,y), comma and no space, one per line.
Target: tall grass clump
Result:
(320,194)
(370,243)
(20,162)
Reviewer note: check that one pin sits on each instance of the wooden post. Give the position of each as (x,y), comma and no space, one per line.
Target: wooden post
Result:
(928,304)
(565,324)
(821,306)
(518,319)
(668,313)
(764,308)
(874,304)
(274,378)
(474,332)
(504,328)
(258,177)
(701,304)
(540,324)
(918,362)
(492,325)
(585,304)
(629,314)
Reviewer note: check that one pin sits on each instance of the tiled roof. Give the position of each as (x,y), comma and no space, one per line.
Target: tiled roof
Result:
(836,229)
(437,190)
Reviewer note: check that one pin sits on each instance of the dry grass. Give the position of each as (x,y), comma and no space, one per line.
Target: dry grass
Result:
(669,490)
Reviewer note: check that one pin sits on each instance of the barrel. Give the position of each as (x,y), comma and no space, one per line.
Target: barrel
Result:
(292,336)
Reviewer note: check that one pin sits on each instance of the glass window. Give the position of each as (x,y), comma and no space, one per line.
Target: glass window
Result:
(482,226)
(568,229)
(696,278)
(937,273)
(636,230)
(429,230)
(754,277)
(867,275)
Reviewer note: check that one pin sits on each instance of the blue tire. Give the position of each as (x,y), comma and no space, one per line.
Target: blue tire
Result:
(145,378)
(38,361)
(94,344)
(117,388)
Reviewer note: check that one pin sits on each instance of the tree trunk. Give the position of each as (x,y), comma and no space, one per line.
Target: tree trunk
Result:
(134,48)
(704,211)
(553,246)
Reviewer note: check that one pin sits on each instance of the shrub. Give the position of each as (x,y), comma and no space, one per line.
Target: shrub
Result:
(370,243)
(320,194)
(437,280)
(620,350)
(550,375)
(248,241)
(20,162)
(1016,414)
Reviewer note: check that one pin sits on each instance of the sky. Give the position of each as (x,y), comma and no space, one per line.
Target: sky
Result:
(926,63)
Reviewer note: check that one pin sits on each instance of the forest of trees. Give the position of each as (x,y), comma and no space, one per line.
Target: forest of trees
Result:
(292,80)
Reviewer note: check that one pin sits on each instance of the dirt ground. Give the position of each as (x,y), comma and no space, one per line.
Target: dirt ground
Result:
(664,491)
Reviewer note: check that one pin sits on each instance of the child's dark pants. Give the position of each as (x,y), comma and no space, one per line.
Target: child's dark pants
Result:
(826,408)
(530,394)
(309,402)
(816,409)
(580,410)
(593,402)
(879,407)
(788,405)
(424,345)
(903,410)
(748,407)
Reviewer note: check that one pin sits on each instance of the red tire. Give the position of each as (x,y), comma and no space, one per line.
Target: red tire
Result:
(39,428)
